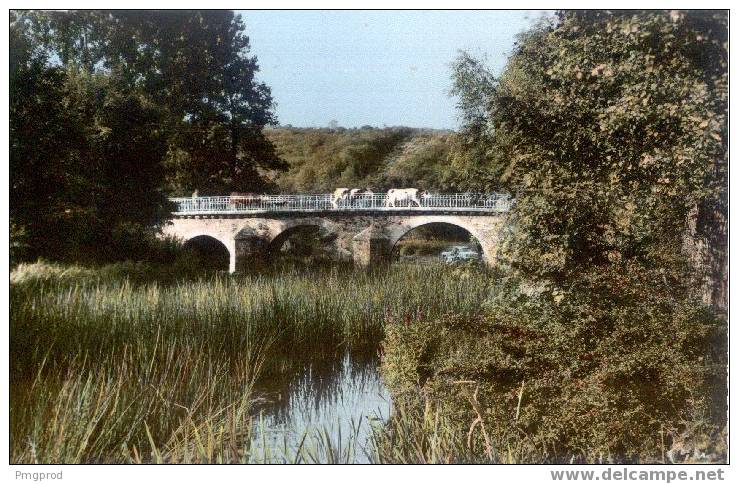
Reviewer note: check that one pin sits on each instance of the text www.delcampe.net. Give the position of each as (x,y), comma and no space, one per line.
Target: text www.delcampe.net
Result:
(626,474)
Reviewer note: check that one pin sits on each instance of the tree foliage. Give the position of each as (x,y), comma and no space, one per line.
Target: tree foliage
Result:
(196,64)
(610,128)
(111,109)
(474,156)
(614,127)
(85,168)
(540,381)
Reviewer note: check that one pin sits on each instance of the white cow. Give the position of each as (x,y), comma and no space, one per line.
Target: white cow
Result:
(403,196)
(366,198)
(360,197)
(339,197)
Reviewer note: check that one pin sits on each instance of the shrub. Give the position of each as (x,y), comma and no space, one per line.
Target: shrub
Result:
(600,375)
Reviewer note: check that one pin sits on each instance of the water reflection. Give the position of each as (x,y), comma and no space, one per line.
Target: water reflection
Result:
(325,414)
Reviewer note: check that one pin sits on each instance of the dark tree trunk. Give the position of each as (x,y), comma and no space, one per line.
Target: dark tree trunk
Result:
(707,247)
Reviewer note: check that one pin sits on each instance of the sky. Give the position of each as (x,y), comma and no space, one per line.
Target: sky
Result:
(378,68)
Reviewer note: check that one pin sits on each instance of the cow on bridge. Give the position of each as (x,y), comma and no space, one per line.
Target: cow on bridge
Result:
(245,200)
(339,197)
(403,197)
(361,197)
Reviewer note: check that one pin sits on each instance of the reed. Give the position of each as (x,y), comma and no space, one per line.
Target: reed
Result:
(129,364)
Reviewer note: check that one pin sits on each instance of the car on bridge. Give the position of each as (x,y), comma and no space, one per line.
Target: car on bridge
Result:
(459,253)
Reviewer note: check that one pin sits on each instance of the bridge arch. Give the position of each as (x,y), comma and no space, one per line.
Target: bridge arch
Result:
(211,250)
(411,223)
(322,227)
(303,232)
(430,239)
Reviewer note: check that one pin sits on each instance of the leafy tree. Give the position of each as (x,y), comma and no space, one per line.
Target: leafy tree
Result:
(614,125)
(85,158)
(473,156)
(194,64)
(125,146)
(43,150)
(611,130)
(85,164)
(110,108)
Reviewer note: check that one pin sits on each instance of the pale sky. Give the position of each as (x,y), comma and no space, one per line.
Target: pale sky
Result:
(374,67)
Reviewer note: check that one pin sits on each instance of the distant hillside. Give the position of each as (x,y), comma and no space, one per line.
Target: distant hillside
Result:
(322,159)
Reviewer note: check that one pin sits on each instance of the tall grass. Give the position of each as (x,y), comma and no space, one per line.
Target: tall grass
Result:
(119,365)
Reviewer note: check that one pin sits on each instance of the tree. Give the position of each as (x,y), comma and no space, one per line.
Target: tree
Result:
(610,128)
(125,147)
(614,125)
(85,158)
(474,160)
(111,109)
(44,150)
(85,165)
(194,64)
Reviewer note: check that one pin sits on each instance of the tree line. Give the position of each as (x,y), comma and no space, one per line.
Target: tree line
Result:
(111,111)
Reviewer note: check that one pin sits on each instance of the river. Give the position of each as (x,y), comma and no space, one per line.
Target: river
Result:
(326,410)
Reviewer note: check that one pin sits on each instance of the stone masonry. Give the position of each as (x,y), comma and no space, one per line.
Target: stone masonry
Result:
(366,238)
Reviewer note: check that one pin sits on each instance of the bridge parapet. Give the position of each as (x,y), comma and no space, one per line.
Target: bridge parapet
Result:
(325,203)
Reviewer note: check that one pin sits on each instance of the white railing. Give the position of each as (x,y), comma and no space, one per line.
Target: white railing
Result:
(461,202)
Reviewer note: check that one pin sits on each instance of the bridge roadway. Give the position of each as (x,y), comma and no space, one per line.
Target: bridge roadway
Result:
(364,229)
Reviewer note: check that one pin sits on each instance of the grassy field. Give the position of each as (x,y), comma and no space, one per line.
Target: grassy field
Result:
(130,364)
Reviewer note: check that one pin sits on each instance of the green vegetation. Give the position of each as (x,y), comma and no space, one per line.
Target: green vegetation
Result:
(416,247)
(610,129)
(542,379)
(319,160)
(107,368)
(608,342)
(109,365)
(103,128)
(430,240)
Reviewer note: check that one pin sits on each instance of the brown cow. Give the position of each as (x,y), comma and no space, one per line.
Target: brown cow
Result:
(245,201)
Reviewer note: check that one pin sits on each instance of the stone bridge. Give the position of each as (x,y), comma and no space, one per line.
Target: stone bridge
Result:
(364,234)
